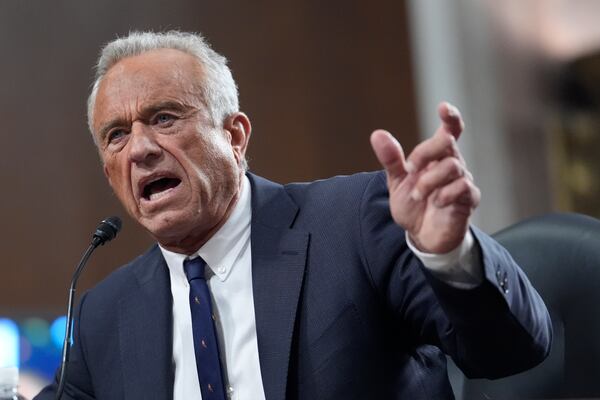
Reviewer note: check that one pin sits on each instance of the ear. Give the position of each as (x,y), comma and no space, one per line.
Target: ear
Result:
(107,174)
(239,128)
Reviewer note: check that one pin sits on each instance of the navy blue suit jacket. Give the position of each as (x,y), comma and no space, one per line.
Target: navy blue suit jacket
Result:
(343,309)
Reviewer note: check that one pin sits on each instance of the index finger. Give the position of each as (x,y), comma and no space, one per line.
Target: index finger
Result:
(452,121)
(436,148)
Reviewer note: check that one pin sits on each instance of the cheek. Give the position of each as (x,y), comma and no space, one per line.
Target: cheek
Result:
(118,178)
(210,153)
(223,149)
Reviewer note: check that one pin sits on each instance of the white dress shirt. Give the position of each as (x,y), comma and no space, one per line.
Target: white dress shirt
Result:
(229,278)
(461,267)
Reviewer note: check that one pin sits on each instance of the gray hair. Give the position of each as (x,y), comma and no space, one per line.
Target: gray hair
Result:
(219,90)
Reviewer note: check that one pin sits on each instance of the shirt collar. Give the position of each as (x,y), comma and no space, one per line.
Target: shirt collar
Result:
(222,250)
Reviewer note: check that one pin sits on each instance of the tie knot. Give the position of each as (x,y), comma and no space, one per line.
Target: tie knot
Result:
(194,268)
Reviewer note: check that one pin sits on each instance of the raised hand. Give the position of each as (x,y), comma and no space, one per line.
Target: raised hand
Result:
(432,194)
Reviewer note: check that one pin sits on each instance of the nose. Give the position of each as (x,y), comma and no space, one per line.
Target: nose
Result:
(143,147)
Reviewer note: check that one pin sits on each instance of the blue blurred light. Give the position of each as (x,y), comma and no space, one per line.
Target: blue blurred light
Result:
(58,330)
(37,331)
(9,338)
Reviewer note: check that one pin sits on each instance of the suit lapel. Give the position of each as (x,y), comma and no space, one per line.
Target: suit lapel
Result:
(145,331)
(278,263)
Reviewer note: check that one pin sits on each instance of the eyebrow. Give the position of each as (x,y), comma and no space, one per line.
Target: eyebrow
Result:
(165,105)
(145,112)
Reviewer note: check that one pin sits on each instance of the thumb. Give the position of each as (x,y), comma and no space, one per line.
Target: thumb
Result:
(390,154)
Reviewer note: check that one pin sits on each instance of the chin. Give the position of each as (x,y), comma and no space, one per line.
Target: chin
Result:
(172,227)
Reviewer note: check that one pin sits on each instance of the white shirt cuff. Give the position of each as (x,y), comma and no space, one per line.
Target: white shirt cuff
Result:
(461,267)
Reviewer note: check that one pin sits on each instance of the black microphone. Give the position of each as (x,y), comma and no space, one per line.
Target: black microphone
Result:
(105,232)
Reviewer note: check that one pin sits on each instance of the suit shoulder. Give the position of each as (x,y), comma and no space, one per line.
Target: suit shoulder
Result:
(120,281)
(341,186)
(337,203)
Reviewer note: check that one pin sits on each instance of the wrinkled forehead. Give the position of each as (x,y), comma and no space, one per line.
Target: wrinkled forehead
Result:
(138,81)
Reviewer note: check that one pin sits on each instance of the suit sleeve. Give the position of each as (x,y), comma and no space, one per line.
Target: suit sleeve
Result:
(78,384)
(498,328)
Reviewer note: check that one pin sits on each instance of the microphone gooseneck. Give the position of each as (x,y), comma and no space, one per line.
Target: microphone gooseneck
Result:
(105,232)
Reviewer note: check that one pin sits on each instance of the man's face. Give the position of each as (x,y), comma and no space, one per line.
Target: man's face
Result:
(175,171)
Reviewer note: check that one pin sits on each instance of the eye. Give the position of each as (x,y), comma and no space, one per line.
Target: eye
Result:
(163,119)
(115,135)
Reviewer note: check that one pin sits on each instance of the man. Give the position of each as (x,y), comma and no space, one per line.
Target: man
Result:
(348,288)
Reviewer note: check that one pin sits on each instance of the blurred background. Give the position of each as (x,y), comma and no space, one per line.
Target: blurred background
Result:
(315,77)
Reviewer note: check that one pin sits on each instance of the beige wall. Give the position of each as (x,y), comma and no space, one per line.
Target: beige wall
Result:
(315,77)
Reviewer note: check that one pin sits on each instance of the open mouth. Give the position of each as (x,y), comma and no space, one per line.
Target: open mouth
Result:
(153,190)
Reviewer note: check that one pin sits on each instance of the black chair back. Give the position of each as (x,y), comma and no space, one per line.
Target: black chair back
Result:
(560,253)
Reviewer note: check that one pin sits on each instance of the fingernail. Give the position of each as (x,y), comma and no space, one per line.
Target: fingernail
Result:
(410,167)
(452,111)
(416,195)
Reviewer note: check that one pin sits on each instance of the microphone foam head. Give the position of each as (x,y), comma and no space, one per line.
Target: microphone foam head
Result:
(107,230)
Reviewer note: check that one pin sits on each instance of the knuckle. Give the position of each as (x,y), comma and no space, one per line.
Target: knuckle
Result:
(445,196)
(455,167)
(476,194)
(424,185)
(461,187)
(456,150)
(464,184)
(452,149)
(447,141)
(468,175)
